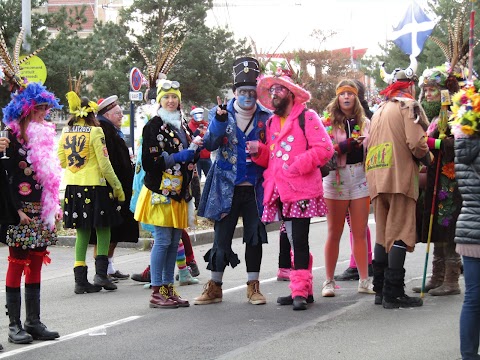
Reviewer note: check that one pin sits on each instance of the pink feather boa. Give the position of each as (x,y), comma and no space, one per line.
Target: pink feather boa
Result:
(45,163)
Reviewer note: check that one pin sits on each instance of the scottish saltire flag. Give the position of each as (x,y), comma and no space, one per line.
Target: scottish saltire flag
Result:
(412,32)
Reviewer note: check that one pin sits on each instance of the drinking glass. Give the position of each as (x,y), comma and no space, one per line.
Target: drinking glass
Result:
(4,133)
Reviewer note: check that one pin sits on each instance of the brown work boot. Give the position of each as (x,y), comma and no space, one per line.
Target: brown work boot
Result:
(172,294)
(160,298)
(212,293)
(254,295)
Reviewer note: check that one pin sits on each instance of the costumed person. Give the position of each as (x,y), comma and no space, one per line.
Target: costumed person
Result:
(234,184)
(93,195)
(396,145)
(165,200)
(34,175)
(446,263)
(198,125)
(186,263)
(110,117)
(351,273)
(465,128)
(345,189)
(297,144)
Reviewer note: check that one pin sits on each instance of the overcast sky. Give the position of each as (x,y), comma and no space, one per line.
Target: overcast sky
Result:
(358,23)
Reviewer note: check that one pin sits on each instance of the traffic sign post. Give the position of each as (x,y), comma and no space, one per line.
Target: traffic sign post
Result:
(134,95)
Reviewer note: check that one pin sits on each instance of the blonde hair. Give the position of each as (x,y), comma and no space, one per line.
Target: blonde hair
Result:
(336,114)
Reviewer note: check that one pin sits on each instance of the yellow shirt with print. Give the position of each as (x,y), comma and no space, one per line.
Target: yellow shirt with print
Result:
(83,153)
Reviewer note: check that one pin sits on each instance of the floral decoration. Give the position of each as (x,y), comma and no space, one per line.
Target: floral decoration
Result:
(466,112)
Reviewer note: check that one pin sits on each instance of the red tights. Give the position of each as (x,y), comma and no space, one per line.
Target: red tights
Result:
(28,261)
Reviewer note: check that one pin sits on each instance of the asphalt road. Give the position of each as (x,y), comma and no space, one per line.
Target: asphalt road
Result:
(120,325)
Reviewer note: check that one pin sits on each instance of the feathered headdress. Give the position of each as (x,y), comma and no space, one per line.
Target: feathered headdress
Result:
(26,99)
(75,105)
(165,59)
(11,67)
(456,48)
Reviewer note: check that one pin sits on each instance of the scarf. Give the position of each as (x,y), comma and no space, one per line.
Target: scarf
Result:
(43,157)
(397,89)
(243,117)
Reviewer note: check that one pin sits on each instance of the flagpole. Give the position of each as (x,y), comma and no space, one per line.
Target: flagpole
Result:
(471,43)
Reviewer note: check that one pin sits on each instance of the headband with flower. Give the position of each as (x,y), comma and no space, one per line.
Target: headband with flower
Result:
(76,108)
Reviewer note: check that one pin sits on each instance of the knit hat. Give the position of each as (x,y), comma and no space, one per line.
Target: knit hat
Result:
(25,99)
(165,86)
(197,113)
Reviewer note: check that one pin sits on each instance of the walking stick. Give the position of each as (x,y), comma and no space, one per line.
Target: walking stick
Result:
(442,128)
(430,225)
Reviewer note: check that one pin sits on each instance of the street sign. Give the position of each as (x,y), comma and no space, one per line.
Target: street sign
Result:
(135,79)
(34,70)
(135,95)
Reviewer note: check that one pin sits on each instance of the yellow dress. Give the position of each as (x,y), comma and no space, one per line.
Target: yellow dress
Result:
(159,210)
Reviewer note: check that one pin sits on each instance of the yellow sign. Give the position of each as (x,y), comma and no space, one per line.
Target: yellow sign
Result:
(34,70)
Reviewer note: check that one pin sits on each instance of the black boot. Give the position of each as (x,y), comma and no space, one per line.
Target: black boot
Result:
(378,280)
(82,285)
(16,333)
(299,303)
(101,278)
(394,296)
(288,300)
(33,325)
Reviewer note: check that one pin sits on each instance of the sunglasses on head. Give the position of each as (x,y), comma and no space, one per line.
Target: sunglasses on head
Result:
(167,85)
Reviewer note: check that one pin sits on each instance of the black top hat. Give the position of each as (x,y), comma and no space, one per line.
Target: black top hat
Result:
(245,72)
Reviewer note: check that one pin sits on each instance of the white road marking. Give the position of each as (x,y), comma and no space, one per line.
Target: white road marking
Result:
(66,337)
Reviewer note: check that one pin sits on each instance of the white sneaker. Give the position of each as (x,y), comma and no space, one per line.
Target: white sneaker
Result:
(365,286)
(328,288)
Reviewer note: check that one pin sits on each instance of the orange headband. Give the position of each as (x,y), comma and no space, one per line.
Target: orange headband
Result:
(348,88)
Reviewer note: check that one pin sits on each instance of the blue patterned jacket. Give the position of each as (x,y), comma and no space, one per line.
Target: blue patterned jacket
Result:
(230,142)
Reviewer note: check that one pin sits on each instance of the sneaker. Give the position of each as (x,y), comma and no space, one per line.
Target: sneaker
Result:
(212,293)
(254,295)
(142,277)
(365,286)
(119,275)
(349,274)
(283,274)
(328,288)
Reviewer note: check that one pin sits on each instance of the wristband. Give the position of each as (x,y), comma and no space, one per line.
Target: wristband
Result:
(433,143)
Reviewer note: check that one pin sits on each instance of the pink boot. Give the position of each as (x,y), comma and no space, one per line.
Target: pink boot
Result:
(283,274)
(300,285)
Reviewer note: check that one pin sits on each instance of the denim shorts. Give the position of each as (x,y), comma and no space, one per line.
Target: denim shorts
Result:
(346,183)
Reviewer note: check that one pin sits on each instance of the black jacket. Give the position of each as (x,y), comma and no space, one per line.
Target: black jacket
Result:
(467,170)
(119,156)
(159,141)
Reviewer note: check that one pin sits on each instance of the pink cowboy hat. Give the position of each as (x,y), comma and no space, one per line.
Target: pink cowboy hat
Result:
(266,82)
